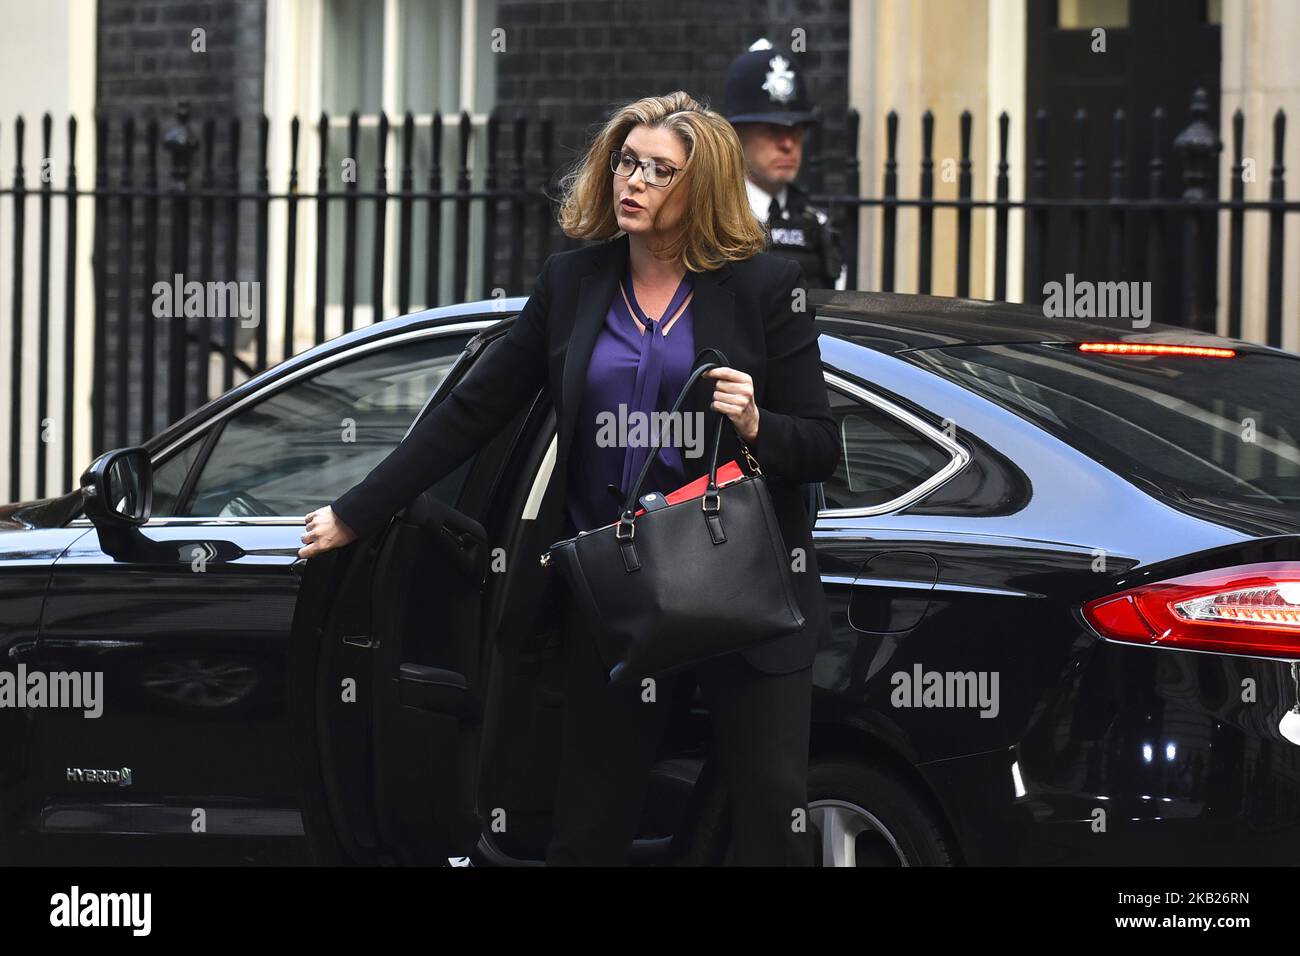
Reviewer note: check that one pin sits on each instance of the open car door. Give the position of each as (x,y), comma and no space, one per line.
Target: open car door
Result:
(395,691)
(388,636)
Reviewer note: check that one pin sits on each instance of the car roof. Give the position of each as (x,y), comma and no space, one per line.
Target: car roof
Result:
(884,321)
(486,310)
(894,321)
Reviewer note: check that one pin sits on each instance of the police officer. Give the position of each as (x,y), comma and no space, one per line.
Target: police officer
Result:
(766,100)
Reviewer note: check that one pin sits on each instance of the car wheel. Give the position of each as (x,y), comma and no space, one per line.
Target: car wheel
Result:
(861,815)
(200,683)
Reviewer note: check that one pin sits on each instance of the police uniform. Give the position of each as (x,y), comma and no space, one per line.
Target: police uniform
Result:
(802,231)
(763,85)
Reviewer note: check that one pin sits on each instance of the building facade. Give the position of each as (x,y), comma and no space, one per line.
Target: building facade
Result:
(571,61)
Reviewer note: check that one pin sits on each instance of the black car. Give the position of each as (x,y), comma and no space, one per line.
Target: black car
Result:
(1062,561)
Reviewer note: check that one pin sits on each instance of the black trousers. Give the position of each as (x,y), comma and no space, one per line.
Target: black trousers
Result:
(612,733)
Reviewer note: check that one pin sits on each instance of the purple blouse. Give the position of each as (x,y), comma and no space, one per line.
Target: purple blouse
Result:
(643,373)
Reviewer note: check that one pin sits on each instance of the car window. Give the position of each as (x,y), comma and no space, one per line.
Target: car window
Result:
(305,445)
(1206,426)
(881,459)
(169,476)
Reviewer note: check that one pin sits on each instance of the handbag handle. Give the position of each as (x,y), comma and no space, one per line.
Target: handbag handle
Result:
(629,506)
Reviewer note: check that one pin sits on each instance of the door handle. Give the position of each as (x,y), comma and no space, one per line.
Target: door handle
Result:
(299,568)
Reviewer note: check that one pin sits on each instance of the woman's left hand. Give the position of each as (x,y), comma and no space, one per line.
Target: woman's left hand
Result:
(733,395)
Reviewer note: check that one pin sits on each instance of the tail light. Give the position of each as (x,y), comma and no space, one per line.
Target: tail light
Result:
(1251,609)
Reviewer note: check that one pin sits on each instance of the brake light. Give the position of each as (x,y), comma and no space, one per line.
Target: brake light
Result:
(1252,609)
(1132,348)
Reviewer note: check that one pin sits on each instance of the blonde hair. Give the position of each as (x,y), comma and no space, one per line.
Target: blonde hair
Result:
(719,225)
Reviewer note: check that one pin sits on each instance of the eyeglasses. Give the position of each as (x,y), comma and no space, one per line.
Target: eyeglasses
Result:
(654,173)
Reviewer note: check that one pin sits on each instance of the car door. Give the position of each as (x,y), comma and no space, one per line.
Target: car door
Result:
(192,637)
(398,687)
(879,579)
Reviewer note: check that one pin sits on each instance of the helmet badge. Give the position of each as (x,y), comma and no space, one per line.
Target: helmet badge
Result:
(779,82)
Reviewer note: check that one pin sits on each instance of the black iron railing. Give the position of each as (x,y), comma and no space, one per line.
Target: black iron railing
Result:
(210,220)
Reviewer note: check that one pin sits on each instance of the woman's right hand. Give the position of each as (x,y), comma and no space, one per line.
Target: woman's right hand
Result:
(325,532)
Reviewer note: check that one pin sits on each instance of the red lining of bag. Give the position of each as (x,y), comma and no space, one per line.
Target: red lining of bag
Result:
(728,473)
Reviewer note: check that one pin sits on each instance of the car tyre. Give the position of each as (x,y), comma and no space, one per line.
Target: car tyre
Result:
(875,819)
(880,821)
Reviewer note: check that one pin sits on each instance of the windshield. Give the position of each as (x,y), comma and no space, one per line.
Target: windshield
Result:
(1203,427)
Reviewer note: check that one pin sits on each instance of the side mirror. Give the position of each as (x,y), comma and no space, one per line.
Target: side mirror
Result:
(117,489)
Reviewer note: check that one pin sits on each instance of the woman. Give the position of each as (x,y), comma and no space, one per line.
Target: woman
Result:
(618,324)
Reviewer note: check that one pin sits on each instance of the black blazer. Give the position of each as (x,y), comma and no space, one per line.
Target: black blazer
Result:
(745,309)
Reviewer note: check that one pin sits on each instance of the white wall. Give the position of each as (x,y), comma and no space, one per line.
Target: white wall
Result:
(47,63)
(1260,75)
(945,56)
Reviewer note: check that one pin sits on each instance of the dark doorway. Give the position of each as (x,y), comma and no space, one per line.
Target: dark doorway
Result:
(1157,53)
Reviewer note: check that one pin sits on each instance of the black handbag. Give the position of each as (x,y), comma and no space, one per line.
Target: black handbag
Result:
(680,584)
